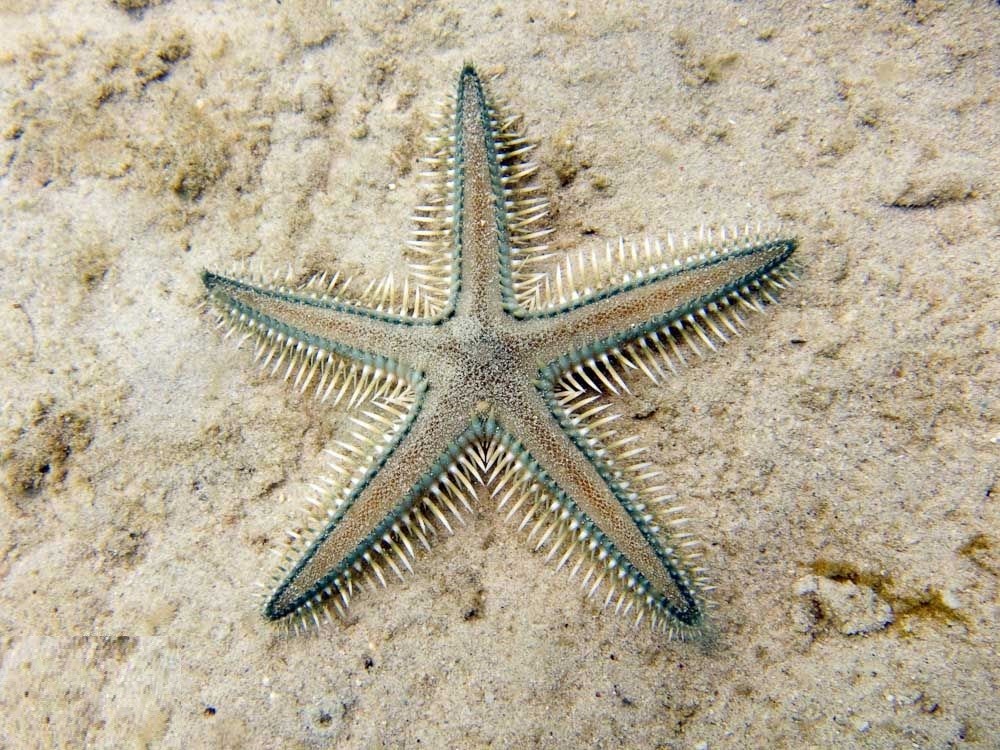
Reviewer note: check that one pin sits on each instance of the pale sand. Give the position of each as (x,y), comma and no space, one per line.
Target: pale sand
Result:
(840,461)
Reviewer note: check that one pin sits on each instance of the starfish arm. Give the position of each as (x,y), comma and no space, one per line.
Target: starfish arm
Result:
(648,304)
(284,317)
(399,487)
(594,514)
(499,217)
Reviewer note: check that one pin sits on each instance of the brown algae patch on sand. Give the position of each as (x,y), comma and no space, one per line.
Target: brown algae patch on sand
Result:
(130,66)
(84,113)
(701,66)
(928,604)
(982,550)
(193,156)
(310,22)
(39,454)
(856,601)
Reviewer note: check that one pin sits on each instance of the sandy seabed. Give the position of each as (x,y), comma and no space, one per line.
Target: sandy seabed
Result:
(840,461)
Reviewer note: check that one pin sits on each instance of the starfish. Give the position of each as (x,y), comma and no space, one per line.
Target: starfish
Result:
(492,368)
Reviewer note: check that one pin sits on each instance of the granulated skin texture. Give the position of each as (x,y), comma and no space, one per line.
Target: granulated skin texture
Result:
(848,438)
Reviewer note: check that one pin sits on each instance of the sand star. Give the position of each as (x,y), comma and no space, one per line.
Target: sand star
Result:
(490,369)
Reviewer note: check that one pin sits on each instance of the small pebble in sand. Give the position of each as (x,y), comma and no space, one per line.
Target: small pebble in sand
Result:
(851,608)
